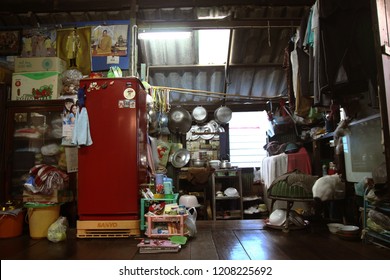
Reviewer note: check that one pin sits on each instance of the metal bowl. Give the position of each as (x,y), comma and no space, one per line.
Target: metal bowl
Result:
(198,162)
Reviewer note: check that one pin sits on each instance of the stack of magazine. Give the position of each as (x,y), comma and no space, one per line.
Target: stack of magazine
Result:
(157,246)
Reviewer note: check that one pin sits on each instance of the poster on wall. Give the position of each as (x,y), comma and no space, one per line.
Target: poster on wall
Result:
(39,42)
(109,47)
(109,40)
(10,43)
(68,121)
(73,46)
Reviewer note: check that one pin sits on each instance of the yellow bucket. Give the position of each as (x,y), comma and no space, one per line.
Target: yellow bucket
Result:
(40,219)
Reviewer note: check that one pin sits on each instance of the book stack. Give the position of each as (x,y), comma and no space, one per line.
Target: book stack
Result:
(157,246)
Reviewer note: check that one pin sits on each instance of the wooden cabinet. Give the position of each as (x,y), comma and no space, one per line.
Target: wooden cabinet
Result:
(227,206)
(31,127)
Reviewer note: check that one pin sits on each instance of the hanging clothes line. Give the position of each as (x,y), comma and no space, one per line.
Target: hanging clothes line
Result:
(220,95)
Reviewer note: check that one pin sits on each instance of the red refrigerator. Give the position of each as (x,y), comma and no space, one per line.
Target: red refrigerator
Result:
(112,168)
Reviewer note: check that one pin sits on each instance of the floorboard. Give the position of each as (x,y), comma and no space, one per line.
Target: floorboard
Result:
(215,240)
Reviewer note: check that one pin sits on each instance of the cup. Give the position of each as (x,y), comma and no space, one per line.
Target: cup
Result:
(159,184)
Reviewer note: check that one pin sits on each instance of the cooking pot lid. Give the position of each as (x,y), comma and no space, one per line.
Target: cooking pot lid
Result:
(194,130)
(207,128)
(180,158)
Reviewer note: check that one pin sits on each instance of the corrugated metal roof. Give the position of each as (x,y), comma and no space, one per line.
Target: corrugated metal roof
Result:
(261,30)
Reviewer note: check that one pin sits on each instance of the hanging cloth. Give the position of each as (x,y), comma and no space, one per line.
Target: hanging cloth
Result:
(81,132)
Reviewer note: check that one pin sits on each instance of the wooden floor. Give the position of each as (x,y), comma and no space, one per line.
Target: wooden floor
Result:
(218,240)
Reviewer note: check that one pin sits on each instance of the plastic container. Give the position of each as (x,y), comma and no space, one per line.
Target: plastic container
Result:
(40,217)
(11,225)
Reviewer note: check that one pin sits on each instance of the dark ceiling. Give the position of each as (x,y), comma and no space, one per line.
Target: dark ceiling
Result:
(261,30)
(22,13)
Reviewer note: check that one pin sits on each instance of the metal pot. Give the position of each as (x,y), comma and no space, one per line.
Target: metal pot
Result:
(179,120)
(226,164)
(199,114)
(223,115)
(198,162)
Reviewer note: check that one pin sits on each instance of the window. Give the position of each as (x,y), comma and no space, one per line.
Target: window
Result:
(247,137)
(213,46)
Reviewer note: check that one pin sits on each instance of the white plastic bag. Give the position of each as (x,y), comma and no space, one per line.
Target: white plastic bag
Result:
(57,230)
(191,221)
(256,175)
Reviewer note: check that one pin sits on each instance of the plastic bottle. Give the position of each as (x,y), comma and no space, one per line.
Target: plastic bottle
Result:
(324,170)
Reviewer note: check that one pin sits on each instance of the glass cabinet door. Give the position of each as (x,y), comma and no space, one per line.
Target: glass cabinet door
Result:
(33,137)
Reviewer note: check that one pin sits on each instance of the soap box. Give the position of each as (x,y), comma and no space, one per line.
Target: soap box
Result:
(39,64)
(36,86)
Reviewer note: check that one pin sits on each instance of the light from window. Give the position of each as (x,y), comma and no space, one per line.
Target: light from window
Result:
(247,137)
(213,46)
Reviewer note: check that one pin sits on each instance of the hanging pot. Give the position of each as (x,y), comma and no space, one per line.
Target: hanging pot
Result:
(179,120)
(199,114)
(163,123)
(223,115)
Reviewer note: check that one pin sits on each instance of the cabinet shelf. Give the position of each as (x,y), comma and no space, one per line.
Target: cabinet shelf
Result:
(227,197)
(231,207)
(251,198)
(370,235)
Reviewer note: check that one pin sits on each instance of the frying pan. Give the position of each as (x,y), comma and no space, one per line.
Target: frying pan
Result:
(199,114)
(223,115)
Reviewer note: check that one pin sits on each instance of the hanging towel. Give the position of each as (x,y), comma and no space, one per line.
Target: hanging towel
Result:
(81,132)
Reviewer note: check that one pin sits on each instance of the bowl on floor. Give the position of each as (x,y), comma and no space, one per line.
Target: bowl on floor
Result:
(334,227)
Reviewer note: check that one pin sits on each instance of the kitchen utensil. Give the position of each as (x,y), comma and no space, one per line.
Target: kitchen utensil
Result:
(180,158)
(199,114)
(179,120)
(207,128)
(334,227)
(231,192)
(215,163)
(189,200)
(223,115)
(198,162)
(226,164)
(278,217)
(194,129)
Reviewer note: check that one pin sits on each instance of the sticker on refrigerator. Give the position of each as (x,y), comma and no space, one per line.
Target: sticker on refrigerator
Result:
(126,103)
(129,93)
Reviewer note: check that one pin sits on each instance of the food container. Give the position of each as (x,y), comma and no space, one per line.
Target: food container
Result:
(216,164)
(334,227)
(348,232)
(189,201)
(198,162)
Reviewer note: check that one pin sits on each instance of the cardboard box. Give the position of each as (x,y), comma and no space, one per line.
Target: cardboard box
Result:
(36,86)
(57,196)
(39,64)
(5,75)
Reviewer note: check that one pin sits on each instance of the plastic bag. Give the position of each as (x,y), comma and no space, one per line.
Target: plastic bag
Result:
(256,175)
(191,221)
(57,230)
